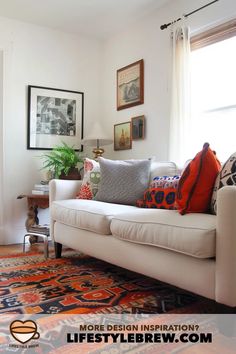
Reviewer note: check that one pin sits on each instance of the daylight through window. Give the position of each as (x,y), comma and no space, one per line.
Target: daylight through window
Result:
(213,96)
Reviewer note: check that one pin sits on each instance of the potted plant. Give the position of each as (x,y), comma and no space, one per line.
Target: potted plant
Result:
(62,162)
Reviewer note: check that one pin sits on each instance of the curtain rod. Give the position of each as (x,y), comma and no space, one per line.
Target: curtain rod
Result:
(186,15)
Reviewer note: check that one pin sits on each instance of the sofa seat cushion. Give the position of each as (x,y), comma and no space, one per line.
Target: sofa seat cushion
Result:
(87,214)
(191,234)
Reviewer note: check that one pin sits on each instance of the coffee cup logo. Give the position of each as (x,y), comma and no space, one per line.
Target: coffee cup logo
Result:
(23,332)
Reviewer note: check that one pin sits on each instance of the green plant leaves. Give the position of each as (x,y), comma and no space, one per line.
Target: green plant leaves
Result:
(61,159)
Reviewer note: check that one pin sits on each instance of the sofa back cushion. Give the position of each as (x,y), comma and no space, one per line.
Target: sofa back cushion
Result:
(123,181)
(197,182)
(163,168)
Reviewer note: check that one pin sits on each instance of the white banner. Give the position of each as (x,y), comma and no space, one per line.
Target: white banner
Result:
(91,333)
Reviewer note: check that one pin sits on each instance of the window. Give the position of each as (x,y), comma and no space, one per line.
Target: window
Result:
(213,90)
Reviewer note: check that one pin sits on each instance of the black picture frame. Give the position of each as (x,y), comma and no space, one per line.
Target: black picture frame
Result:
(54,115)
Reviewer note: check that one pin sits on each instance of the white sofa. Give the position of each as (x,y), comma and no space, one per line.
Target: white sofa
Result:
(196,252)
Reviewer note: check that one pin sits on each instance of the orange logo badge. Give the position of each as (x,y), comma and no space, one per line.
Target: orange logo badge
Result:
(24,331)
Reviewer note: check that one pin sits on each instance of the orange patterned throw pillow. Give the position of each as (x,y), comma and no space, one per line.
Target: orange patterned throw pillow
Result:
(197,182)
(161,193)
(158,198)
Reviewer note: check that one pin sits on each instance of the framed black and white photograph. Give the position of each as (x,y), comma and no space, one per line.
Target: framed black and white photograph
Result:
(54,115)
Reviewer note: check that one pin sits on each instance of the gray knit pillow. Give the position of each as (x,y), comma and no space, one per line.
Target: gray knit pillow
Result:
(123,181)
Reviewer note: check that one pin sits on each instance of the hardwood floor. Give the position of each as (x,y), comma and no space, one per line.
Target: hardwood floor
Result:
(18,248)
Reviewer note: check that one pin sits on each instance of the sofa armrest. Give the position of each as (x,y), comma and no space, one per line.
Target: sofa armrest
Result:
(226,246)
(61,189)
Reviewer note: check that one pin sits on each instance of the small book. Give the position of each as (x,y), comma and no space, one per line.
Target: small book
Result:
(39,192)
(41,187)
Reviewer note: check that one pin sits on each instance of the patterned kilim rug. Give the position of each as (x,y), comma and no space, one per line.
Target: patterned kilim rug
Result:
(79,284)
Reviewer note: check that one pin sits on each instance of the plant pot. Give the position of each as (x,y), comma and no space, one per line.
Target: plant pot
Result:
(73,174)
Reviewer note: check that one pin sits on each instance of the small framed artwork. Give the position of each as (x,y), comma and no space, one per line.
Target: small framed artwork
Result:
(138,127)
(122,136)
(54,115)
(130,85)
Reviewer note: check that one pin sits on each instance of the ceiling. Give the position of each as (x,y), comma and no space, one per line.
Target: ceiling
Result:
(97,18)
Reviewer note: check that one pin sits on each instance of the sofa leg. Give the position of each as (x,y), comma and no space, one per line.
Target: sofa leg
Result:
(58,248)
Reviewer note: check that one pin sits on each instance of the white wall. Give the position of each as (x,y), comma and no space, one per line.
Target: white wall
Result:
(34,55)
(37,56)
(146,41)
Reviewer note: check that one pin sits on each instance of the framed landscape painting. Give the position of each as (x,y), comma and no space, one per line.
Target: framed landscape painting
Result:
(130,82)
(54,115)
(122,136)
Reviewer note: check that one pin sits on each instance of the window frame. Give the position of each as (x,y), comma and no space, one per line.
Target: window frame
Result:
(214,35)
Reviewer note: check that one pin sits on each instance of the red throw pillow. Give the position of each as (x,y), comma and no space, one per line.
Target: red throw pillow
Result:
(159,198)
(197,182)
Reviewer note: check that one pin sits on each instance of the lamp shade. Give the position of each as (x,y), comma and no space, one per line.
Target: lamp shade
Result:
(96,137)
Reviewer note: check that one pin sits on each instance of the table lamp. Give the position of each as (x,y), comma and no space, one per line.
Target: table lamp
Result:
(96,138)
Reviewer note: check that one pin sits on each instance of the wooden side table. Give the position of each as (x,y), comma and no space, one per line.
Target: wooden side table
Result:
(38,200)
(35,201)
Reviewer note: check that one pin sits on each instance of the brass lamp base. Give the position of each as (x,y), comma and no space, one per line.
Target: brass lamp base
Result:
(98,152)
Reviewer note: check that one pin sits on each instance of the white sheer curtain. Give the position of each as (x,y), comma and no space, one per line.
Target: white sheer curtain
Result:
(1,148)
(180,100)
